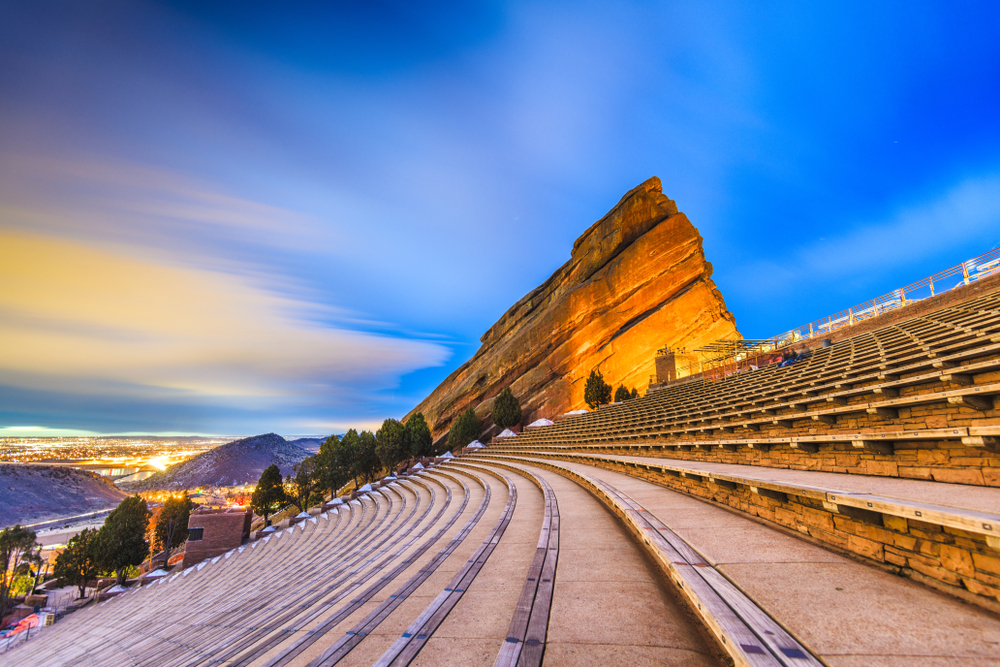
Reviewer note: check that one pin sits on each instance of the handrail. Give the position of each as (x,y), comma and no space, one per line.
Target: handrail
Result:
(967,272)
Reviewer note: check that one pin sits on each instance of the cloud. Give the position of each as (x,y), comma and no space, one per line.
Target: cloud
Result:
(963,215)
(79,318)
(41,432)
(97,198)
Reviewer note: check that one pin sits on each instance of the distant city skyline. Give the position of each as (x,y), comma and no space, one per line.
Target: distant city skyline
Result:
(222,218)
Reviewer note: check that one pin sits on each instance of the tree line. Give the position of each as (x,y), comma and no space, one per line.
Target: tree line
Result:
(358,457)
(114,549)
(363,457)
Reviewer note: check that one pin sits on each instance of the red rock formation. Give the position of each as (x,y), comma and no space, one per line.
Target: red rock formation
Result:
(637,281)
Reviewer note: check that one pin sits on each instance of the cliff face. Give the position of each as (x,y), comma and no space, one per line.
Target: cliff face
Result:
(637,281)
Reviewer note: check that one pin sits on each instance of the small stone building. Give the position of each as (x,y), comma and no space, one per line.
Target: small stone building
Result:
(214,532)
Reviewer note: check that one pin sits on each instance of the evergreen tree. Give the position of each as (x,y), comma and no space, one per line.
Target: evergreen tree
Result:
(303,481)
(172,524)
(122,539)
(506,409)
(622,394)
(393,444)
(15,542)
(349,459)
(78,563)
(269,495)
(335,461)
(368,464)
(419,435)
(596,392)
(635,394)
(464,429)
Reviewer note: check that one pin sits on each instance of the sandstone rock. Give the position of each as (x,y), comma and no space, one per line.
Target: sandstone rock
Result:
(637,281)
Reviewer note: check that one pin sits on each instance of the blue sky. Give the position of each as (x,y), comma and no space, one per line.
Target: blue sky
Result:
(241,217)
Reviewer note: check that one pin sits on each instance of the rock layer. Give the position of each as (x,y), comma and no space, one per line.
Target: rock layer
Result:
(637,281)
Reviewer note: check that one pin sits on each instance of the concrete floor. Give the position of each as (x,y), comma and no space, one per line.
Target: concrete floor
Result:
(847,613)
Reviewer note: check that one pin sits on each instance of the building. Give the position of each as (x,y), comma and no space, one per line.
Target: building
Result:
(214,532)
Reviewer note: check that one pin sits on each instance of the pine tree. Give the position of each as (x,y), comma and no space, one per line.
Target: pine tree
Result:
(122,539)
(622,394)
(464,429)
(303,481)
(15,542)
(596,392)
(78,563)
(269,495)
(393,444)
(635,394)
(419,434)
(172,524)
(368,461)
(506,409)
(337,461)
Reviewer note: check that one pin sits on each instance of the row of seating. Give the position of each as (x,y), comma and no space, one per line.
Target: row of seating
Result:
(902,382)
(749,634)
(768,596)
(231,606)
(287,597)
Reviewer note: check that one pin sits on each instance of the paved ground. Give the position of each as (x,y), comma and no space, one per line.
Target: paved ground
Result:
(981,498)
(848,613)
(609,605)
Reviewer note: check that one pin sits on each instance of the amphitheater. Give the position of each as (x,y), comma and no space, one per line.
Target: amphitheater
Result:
(841,511)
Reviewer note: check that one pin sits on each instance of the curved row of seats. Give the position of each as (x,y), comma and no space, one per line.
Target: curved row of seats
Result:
(915,384)
(504,559)
(318,593)
(236,607)
(768,596)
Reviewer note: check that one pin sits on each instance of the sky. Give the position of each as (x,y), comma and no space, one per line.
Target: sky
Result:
(241,217)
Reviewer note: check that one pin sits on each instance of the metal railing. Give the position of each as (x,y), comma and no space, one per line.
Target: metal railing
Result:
(959,275)
(953,277)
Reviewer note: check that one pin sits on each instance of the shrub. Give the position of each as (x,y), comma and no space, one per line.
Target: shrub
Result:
(506,409)
(596,391)
(464,429)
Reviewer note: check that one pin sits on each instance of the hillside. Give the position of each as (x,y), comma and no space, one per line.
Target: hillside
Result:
(232,464)
(311,445)
(30,493)
(637,281)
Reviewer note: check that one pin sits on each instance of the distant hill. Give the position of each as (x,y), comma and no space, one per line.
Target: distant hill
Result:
(30,493)
(232,464)
(311,445)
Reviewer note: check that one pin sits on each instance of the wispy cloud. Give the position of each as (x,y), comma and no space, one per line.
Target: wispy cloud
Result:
(91,198)
(76,318)
(966,214)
